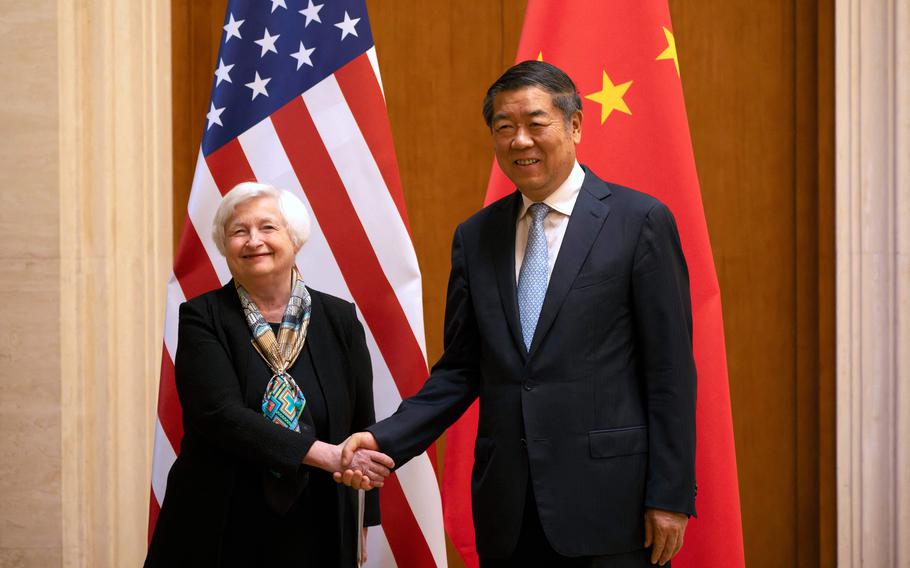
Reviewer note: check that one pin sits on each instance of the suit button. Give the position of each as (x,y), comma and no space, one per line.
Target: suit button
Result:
(524,443)
(528,386)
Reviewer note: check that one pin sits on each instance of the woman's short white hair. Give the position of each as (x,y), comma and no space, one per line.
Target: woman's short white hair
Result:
(294,212)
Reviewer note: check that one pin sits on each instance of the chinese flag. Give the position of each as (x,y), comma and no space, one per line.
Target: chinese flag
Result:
(622,57)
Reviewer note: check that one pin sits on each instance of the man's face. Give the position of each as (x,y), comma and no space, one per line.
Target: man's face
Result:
(534,145)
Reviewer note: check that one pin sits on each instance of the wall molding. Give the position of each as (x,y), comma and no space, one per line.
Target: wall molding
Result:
(115,239)
(873,281)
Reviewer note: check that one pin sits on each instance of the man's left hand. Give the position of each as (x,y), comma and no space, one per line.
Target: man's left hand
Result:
(664,531)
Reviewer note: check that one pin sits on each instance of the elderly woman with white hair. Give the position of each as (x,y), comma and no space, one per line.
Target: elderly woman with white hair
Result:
(272,377)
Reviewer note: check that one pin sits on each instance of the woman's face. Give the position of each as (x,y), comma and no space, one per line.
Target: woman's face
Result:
(257,241)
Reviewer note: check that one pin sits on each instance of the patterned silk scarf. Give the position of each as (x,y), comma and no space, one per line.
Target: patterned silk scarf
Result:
(283,401)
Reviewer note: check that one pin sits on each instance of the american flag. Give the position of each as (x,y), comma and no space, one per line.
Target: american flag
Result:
(297,102)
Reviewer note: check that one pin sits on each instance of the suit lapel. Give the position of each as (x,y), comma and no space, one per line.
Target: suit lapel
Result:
(325,362)
(587,218)
(504,264)
(252,372)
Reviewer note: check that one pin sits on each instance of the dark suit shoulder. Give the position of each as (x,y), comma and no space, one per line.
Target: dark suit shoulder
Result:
(338,313)
(496,212)
(634,199)
(619,195)
(334,307)
(214,300)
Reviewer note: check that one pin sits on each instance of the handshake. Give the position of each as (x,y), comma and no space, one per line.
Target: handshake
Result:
(363,466)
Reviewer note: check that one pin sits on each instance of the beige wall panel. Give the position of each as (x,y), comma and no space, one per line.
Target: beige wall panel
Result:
(873,282)
(30,557)
(30,446)
(30,500)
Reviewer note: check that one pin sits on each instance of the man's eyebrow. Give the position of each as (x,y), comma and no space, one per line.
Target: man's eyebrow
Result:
(533,114)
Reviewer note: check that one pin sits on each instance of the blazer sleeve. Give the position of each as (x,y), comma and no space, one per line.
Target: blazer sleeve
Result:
(453,383)
(363,412)
(663,322)
(213,405)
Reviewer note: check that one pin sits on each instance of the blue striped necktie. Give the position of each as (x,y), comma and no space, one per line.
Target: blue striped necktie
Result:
(533,277)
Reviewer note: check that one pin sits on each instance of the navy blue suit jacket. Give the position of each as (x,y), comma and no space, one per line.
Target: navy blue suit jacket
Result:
(599,414)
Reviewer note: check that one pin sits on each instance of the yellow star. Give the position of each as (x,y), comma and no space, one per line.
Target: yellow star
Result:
(670,52)
(539,56)
(610,98)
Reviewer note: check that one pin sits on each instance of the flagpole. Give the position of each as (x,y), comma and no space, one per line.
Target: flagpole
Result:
(360,543)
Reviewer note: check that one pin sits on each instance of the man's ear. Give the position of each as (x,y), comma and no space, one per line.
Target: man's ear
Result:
(576,126)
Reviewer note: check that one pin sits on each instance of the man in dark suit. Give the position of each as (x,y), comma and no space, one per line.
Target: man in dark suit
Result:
(568,315)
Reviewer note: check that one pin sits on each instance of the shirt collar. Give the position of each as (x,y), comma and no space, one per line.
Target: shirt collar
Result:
(563,199)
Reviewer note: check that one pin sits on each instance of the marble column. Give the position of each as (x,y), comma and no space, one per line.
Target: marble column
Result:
(873,282)
(115,249)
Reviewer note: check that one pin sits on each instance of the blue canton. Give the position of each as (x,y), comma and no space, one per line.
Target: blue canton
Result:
(274,50)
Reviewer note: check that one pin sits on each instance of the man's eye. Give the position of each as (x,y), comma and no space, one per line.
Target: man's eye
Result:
(503,127)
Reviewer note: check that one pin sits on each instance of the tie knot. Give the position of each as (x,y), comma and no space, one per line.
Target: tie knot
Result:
(539,211)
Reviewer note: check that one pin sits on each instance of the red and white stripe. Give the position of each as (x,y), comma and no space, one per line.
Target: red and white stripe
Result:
(333,148)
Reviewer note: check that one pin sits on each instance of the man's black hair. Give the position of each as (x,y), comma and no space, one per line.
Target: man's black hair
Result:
(540,74)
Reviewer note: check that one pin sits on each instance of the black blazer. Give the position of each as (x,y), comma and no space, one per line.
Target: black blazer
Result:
(220,380)
(600,414)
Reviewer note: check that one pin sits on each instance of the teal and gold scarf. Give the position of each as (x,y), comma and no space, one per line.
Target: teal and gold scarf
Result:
(283,401)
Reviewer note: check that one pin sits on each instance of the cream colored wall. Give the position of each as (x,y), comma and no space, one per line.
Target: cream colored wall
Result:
(30,445)
(85,209)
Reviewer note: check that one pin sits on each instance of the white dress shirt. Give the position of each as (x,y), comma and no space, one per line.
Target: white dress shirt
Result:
(561,203)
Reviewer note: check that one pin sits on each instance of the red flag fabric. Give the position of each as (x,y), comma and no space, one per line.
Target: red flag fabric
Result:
(297,102)
(622,56)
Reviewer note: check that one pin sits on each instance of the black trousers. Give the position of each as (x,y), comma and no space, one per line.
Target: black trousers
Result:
(533,549)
